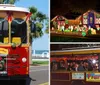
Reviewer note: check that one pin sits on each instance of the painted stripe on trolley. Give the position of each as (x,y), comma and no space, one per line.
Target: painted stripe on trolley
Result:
(46,83)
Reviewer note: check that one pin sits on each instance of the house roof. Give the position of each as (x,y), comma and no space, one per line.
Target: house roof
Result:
(74,21)
(63,18)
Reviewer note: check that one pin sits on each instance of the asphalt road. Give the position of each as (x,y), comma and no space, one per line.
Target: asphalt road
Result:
(40,74)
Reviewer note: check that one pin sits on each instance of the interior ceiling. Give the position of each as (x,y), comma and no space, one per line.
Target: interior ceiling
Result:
(73,8)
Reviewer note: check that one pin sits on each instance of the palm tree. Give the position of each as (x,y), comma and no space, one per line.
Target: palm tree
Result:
(38,18)
(8,1)
(47,26)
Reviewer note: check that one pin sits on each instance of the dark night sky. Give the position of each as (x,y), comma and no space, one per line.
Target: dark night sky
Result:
(73,8)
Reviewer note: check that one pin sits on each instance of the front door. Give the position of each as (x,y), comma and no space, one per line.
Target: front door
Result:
(91,19)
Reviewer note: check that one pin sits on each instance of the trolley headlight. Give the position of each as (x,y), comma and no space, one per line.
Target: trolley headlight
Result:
(24,59)
(13,45)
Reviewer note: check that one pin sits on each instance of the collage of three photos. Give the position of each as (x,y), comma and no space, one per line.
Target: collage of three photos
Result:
(50,42)
(75,42)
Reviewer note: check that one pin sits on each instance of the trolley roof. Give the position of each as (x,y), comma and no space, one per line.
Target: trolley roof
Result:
(10,7)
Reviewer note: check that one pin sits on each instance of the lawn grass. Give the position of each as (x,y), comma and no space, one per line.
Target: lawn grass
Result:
(40,62)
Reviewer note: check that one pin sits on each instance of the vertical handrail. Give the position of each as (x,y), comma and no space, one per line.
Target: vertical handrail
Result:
(9,23)
(28,30)
(9,32)
(28,27)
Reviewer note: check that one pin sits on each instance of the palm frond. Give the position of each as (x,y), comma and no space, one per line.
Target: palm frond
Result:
(33,9)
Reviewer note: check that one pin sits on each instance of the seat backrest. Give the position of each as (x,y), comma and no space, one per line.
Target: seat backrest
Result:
(16,40)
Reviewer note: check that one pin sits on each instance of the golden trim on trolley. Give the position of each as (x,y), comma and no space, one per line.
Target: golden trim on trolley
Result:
(88,51)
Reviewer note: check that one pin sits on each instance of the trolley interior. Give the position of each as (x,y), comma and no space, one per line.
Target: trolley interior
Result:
(75,67)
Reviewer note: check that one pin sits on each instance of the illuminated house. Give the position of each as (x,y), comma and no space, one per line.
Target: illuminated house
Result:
(58,22)
(86,25)
(90,18)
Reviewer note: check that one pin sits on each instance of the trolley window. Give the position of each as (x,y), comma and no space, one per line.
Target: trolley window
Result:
(76,63)
(3,31)
(19,31)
